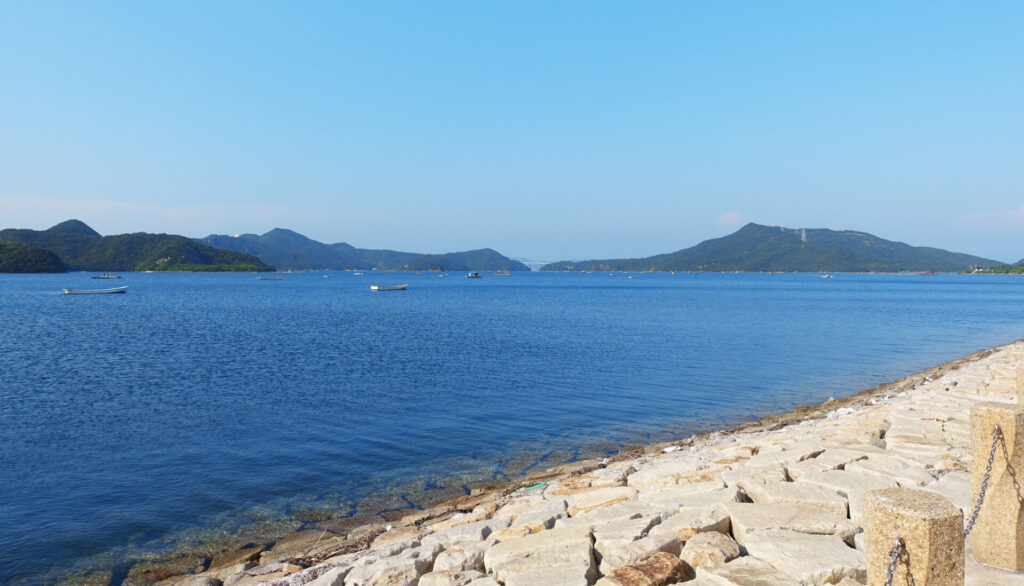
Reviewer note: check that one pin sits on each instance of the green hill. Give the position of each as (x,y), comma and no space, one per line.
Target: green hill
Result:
(757,248)
(25,258)
(290,250)
(82,248)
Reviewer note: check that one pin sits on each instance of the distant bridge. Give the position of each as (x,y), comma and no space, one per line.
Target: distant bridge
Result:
(535,265)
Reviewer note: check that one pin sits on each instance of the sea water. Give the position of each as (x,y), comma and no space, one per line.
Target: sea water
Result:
(195,405)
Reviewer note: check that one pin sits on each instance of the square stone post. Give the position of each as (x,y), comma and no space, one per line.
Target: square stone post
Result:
(997,538)
(932,530)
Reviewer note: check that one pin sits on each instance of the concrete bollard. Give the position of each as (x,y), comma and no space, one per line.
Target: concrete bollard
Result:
(1020,385)
(932,530)
(997,538)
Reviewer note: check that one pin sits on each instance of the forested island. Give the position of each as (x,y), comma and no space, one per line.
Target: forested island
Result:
(757,248)
(80,248)
(24,258)
(287,249)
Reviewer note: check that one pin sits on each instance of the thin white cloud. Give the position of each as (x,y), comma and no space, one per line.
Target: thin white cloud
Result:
(731,219)
(999,219)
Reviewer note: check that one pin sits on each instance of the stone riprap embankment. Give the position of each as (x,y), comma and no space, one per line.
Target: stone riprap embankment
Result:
(774,503)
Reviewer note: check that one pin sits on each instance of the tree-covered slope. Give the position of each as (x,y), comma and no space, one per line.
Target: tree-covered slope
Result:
(764,248)
(81,248)
(484,259)
(25,258)
(289,250)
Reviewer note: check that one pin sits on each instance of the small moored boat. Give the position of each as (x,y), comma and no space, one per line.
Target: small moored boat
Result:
(95,291)
(473,276)
(105,276)
(388,288)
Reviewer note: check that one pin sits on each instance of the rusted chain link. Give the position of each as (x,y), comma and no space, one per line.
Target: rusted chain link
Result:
(984,482)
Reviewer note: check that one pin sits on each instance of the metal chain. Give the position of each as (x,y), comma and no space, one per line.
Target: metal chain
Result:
(984,482)
(894,555)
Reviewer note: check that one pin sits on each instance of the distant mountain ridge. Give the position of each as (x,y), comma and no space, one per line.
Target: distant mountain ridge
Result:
(758,248)
(287,249)
(82,248)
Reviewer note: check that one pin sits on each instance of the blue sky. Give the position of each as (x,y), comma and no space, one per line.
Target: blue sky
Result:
(546,130)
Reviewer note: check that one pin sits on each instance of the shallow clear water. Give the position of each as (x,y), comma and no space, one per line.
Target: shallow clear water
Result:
(204,401)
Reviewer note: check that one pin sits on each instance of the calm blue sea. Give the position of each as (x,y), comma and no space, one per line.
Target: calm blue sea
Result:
(200,403)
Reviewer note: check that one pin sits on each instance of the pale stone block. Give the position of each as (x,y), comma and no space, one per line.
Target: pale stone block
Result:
(597,517)
(411,533)
(786,453)
(671,499)
(811,559)
(799,493)
(660,569)
(541,516)
(752,516)
(622,531)
(931,529)
(541,550)
(448,578)
(744,571)
(562,574)
(830,459)
(601,497)
(898,469)
(625,554)
(332,577)
(955,485)
(998,535)
(744,476)
(465,556)
(690,521)
(469,532)
(512,509)
(710,547)
(850,484)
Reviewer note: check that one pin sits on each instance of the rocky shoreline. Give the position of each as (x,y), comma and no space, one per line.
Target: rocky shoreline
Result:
(770,502)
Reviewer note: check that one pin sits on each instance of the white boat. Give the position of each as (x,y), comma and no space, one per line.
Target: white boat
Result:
(389,288)
(269,278)
(105,276)
(474,276)
(95,291)
(358,274)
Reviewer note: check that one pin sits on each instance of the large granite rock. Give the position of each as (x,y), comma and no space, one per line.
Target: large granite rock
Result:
(622,531)
(623,554)
(601,497)
(689,521)
(403,569)
(469,532)
(597,517)
(672,498)
(448,578)
(562,574)
(811,559)
(799,493)
(711,547)
(541,516)
(660,569)
(850,484)
(465,556)
(556,547)
(746,517)
(744,571)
